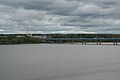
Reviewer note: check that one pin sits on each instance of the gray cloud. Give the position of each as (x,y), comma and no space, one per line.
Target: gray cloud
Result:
(73,16)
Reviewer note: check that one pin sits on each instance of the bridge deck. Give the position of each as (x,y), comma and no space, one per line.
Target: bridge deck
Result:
(74,39)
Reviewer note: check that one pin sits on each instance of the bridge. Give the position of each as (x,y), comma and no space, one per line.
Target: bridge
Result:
(84,40)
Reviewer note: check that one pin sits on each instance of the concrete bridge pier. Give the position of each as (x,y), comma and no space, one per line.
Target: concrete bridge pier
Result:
(113,42)
(69,42)
(116,42)
(58,42)
(82,42)
(72,42)
(85,42)
(97,42)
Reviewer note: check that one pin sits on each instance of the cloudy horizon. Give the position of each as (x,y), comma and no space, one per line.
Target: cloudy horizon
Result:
(60,16)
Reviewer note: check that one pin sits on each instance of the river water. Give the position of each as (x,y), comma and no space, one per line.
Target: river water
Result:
(59,62)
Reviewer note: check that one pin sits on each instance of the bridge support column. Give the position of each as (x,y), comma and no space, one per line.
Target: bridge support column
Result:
(72,42)
(85,42)
(68,42)
(100,43)
(82,42)
(116,42)
(113,42)
(97,42)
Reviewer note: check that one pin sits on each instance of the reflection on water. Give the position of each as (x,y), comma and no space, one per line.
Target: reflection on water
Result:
(59,62)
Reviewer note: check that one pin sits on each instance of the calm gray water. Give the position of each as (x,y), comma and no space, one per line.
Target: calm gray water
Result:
(59,62)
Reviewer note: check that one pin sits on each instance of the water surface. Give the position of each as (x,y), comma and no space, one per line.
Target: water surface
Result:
(59,62)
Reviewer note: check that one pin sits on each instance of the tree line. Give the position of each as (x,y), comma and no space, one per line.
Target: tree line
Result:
(25,39)
(12,39)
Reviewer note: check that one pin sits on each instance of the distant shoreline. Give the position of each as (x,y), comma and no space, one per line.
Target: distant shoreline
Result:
(13,39)
(92,44)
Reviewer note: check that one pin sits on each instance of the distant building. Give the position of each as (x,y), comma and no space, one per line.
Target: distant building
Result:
(20,36)
(41,37)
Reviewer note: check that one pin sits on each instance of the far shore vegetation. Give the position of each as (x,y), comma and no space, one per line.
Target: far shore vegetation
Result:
(39,38)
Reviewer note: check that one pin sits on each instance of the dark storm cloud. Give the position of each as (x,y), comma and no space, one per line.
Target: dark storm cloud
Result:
(73,15)
(110,3)
(74,7)
(38,5)
(52,6)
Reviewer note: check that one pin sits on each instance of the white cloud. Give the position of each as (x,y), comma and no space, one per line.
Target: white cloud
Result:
(74,16)
(92,9)
(104,22)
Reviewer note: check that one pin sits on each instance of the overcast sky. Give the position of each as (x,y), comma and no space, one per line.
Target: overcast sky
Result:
(60,16)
